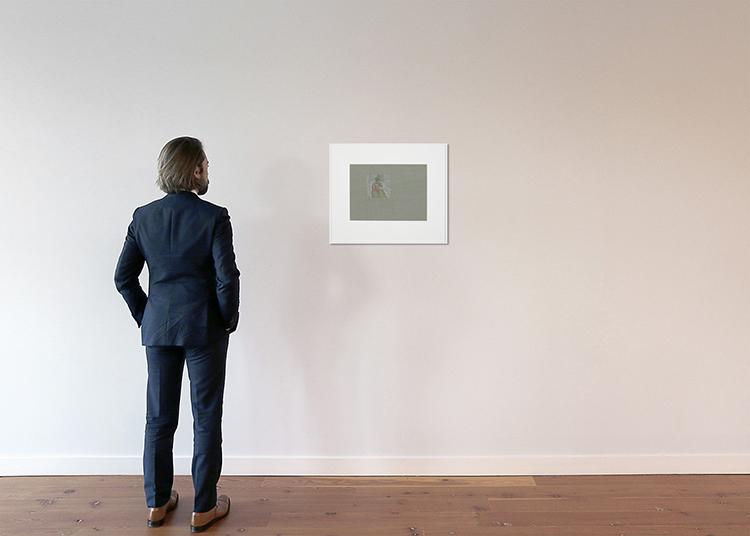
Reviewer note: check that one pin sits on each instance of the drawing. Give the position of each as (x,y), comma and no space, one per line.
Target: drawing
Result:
(395,192)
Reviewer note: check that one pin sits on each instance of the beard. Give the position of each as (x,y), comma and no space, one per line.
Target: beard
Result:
(203,188)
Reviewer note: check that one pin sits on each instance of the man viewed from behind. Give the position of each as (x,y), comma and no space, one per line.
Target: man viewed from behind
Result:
(191,307)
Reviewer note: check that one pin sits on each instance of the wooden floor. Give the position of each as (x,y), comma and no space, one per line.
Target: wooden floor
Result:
(657,505)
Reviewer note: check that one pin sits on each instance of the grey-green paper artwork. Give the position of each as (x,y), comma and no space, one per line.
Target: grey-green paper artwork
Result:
(395,192)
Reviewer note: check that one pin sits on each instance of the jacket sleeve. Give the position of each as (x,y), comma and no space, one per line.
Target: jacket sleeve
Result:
(129,267)
(227,274)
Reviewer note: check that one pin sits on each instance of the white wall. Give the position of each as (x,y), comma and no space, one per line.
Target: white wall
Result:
(590,313)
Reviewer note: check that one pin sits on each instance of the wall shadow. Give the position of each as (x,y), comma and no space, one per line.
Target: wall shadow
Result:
(313,293)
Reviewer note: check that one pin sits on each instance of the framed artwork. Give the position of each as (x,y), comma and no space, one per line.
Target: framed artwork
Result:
(389,193)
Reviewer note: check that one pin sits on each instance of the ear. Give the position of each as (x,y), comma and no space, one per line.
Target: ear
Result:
(198,172)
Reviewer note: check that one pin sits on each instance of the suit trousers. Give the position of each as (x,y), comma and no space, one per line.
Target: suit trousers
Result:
(207,372)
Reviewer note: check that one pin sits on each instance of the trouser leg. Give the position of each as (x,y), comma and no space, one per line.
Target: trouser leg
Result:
(207,371)
(165,365)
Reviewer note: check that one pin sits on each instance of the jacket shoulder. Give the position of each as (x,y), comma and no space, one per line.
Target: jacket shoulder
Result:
(149,207)
(180,200)
(211,206)
(206,204)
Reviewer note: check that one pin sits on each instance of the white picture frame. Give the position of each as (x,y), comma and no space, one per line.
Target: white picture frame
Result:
(426,221)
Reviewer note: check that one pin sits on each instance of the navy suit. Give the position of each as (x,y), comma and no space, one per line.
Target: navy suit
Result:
(191,307)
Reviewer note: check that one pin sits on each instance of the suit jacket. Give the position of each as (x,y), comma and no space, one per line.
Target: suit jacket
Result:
(194,284)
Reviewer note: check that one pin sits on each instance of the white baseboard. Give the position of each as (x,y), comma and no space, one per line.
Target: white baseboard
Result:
(382,466)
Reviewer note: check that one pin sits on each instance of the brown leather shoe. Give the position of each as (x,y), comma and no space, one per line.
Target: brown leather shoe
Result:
(203,520)
(156,516)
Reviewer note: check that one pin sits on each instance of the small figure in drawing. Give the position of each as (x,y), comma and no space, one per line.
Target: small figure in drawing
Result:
(378,188)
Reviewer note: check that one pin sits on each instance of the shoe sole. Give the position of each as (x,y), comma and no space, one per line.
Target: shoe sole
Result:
(207,526)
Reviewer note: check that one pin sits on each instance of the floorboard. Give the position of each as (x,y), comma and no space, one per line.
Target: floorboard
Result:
(616,505)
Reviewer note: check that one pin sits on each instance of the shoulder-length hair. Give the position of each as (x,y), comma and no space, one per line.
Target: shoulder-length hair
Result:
(177,162)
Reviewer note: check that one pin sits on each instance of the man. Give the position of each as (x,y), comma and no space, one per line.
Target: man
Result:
(191,308)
